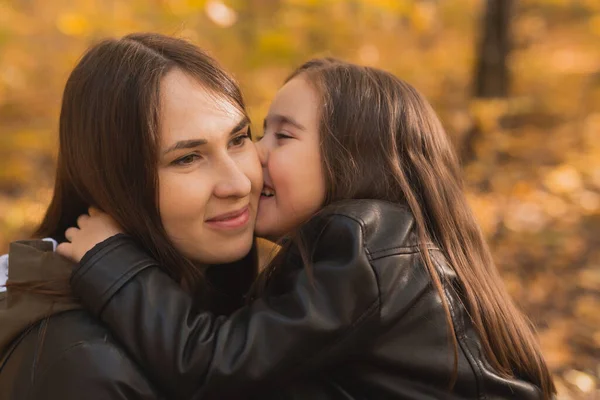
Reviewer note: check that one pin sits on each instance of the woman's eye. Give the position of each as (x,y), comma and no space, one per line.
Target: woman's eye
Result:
(186,160)
(280,135)
(239,141)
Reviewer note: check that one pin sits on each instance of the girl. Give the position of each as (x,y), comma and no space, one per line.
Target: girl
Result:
(132,110)
(384,287)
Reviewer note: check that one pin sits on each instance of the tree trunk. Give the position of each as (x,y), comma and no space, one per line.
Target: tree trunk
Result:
(492,79)
(491,75)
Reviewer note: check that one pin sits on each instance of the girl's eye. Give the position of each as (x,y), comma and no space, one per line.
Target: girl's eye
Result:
(186,160)
(280,135)
(239,141)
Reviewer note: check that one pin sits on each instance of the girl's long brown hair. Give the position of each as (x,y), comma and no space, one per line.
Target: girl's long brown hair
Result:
(380,139)
(108,149)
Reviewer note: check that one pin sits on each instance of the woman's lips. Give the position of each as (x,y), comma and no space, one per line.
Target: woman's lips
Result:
(232,220)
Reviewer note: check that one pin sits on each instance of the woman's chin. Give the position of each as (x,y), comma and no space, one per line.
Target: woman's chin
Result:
(223,254)
(235,254)
(228,258)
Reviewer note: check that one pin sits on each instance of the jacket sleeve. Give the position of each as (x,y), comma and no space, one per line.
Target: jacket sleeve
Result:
(92,371)
(196,354)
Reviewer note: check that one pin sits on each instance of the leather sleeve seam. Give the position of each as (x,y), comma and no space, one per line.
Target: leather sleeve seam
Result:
(372,254)
(102,246)
(400,250)
(120,282)
(87,264)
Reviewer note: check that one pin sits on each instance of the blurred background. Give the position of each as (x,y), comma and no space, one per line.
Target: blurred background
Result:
(516,83)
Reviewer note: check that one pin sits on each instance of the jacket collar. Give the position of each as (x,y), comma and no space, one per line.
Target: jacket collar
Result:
(30,261)
(35,260)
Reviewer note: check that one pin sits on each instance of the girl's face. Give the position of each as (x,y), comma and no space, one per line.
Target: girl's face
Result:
(294,184)
(209,173)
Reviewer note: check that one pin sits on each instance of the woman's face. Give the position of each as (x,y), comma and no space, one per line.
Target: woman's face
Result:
(209,173)
(294,185)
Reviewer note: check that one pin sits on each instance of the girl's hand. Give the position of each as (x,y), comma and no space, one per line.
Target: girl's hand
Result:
(91,229)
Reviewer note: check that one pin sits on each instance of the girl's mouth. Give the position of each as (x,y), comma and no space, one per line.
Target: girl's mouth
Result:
(267,192)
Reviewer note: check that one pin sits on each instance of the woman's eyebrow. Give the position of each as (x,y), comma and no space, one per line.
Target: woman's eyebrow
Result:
(244,122)
(185,144)
(282,119)
(192,143)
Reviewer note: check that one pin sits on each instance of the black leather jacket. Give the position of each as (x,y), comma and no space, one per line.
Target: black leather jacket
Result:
(72,356)
(52,349)
(368,325)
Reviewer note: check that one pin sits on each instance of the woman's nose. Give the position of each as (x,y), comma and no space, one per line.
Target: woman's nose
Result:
(233,181)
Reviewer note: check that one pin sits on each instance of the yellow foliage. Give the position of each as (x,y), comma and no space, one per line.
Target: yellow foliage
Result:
(532,169)
(595,24)
(563,179)
(73,24)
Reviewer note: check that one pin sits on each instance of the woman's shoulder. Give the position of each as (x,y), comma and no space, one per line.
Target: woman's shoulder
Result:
(73,355)
(72,330)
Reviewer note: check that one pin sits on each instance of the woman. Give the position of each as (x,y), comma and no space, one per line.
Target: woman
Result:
(155,133)
(384,288)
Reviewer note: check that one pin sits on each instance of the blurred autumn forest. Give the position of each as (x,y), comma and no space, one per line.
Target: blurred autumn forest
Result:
(516,83)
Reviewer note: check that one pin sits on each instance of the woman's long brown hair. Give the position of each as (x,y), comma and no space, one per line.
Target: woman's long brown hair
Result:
(380,139)
(108,149)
